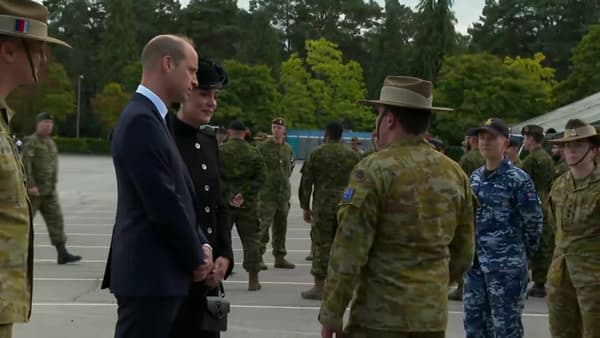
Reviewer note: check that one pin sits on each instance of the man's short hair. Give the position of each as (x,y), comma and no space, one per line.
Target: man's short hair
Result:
(334,130)
(413,121)
(165,45)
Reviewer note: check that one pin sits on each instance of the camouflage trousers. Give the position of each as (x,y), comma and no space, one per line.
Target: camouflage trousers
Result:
(355,331)
(322,233)
(574,311)
(248,227)
(6,330)
(493,303)
(273,215)
(540,262)
(50,209)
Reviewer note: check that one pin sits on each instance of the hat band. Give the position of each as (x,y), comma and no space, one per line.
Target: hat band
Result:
(14,25)
(581,131)
(404,96)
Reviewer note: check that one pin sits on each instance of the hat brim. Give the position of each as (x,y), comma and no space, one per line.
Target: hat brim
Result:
(595,138)
(48,39)
(478,130)
(397,104)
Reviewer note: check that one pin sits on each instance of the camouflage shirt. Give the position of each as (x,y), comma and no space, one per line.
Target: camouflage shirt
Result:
(327,169)
(575,207)
(16,236)
(560,168)
(278,159)
(540,167)
(471,161)
(405,230)
(243,170)
(40,158)
(508,218)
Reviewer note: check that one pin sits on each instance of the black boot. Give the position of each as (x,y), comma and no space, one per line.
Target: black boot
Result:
(538,290)
(64,256)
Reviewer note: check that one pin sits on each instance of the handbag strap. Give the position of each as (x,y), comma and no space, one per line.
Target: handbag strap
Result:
(221,290)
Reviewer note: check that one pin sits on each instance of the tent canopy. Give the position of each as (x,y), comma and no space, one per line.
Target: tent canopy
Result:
(587,109)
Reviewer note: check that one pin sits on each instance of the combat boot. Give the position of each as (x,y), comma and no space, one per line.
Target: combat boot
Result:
(262,265)
(309,257)
(64,257)
(457,294)
(253,283)
(537,290)
(316,292)
(282,263)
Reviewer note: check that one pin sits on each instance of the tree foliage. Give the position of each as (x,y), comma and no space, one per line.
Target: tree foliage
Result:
(108,105)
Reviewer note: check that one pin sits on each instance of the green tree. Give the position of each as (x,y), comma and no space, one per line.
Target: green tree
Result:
(251,96)
(584,79)
(435,37)
(481,86)
(297,103)
(54,95)
(109,104)
(118,42)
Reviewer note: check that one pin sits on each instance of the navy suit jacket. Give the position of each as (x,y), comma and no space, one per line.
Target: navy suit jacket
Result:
(156,243)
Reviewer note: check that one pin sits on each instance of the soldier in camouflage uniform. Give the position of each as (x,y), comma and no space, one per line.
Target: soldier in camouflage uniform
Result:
(243,174)
(40,158)
(574,274)
(560,166)
(275,195)
(512,152)
(325,174)
(508,230)
(22,42)
(540,167)
(469,162)
(405,227)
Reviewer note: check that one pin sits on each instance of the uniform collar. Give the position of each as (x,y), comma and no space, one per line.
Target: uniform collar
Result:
(593,177)
(9,112)
(505,165)
(408,141)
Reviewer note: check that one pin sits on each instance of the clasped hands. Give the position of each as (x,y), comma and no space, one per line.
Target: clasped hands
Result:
(211,273)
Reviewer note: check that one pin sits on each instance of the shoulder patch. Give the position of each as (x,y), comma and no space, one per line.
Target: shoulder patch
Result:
(348,193)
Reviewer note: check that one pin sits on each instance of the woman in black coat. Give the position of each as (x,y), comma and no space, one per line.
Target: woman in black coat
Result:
(199,148)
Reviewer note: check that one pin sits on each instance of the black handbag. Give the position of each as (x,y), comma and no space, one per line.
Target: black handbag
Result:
(217,309)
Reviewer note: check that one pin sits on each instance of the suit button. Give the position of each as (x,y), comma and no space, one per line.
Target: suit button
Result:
(204,166)
(207,209)
(206,188)
(209,230)
(197,145)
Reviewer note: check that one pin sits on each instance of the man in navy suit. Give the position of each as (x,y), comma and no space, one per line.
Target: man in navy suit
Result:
(157,247)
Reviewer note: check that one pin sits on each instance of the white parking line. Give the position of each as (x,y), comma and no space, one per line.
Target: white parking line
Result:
(107,247)
(83,234)
(263,307)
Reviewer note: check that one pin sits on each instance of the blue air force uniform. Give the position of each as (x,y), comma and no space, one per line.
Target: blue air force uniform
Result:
(508,231)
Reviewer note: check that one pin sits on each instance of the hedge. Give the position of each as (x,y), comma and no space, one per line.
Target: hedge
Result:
(70,145)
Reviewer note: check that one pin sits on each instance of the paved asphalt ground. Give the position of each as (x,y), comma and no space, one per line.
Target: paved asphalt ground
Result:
(69,304)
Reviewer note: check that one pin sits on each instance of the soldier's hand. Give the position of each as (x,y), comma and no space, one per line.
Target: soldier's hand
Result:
(327,332)
(33,191)
(307,215)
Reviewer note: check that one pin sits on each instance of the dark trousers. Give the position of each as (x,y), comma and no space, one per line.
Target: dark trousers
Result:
(146,317)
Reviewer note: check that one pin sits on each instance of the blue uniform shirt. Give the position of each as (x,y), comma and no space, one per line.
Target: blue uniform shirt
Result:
(509,217)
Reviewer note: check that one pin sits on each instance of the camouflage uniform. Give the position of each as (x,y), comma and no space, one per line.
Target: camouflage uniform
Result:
(471,161)
(275,195)
(16,232)
(327,169)
(243,172)
(540,167)
(508,230)
(574,276)
(560,168)
(405,230)
(40,158)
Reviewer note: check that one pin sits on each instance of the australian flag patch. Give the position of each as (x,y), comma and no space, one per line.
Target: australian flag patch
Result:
(348,193)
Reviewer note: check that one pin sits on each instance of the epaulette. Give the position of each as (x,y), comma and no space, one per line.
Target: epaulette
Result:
(209,130)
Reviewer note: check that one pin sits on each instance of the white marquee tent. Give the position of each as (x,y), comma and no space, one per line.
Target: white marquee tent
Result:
(587,109)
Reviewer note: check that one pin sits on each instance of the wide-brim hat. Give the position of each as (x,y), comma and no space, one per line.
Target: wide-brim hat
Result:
(26,19)
(585,132)
(406,91)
